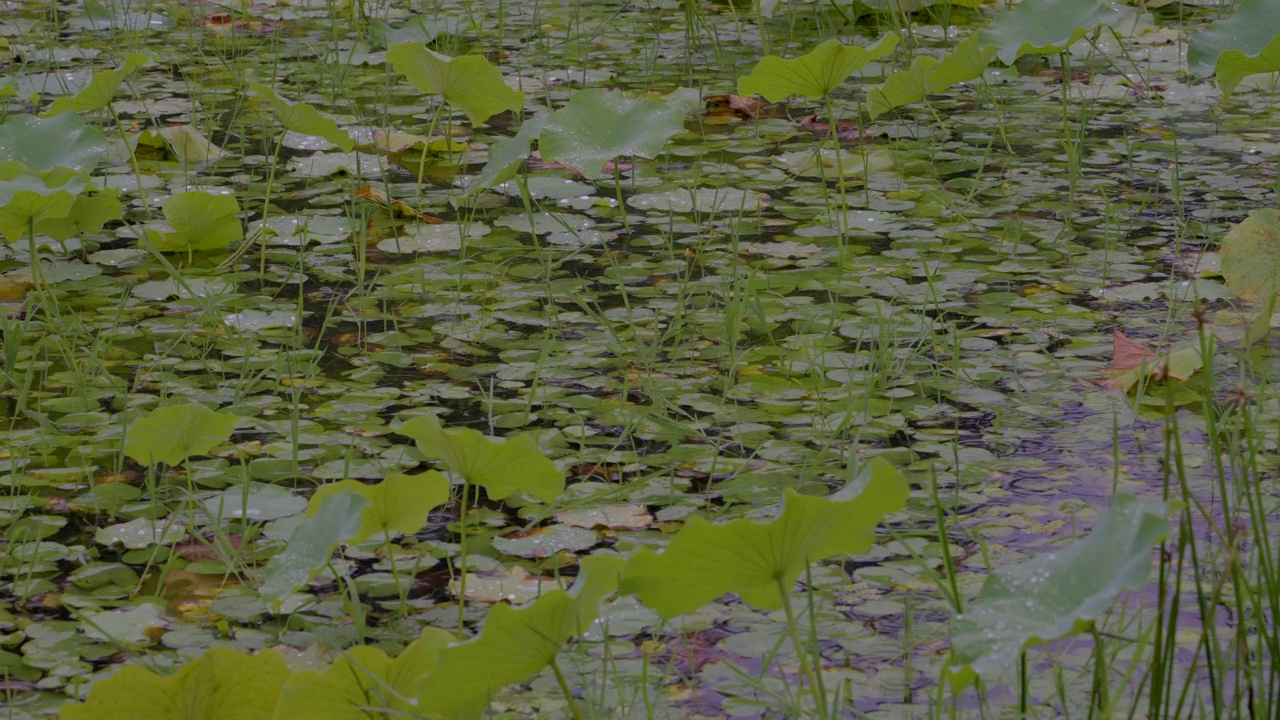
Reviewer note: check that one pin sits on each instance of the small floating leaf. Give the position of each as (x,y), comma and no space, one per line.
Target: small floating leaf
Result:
(470,82)
(173,433)
(1052,596)
(761,561)
(223,684)
(597,126)
(812,75)
(501,468)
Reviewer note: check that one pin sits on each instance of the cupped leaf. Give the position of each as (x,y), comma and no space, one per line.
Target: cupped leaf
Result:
(189,147)
(1055,595)
(42,144)
(967,61)
(222,684)
(101,89)
(516,643)
(364,683)
(173,433)
(200,221)
(470,82)
(1251,256)
(506,155)
(1250,30)
(597,126)
(303,118)
(761,561)
(399,503)
(27,200)
(901,88)
(88,214)
(312,544)
(1041,27)
(812,75)
(1235,65)
(501,468)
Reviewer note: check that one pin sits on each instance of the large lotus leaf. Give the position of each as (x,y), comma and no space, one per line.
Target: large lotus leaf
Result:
(967,61)
(45,143)
(399,503)
(1249,33)
(516,643)
(189,147)
(364,683)
(222,684)
(303,118)
(88,214)
(761,561)
(1052,596)
(812,75)
(1234,65)
(27,199)
(901,88)
(506,155)
(311,545)
(470,83)
(501,468)
(597,126)
(173,433)
(100,91)
(200,221)
(1040,27)
(1251,256)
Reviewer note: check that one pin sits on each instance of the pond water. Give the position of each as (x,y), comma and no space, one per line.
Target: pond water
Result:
(686,333)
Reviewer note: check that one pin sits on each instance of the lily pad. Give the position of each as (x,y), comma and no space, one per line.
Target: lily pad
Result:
(715,201)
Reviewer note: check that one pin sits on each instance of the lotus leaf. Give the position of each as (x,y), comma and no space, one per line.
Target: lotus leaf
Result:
(173,433)
(812,75)
(501,468)
(470,83)
(597,126)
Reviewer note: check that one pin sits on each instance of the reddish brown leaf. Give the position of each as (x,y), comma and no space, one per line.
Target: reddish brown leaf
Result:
(1128,353)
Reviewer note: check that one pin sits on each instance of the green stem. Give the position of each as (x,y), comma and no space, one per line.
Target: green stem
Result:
(568,693)
(806,670)
(462,555)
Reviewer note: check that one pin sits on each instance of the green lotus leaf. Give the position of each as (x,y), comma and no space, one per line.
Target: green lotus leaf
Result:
(812,75)
(200,221)
(761,561)
(506,155)
(1246,43)
(470,82)
(173,433)
(222,684)
(42,144)
(311,545)
(501,468)
(967,61)
(302,118)
(1042,27)
(1251,256)
(901,88)
(101,89)
(88,214)
(597,126)
(399,503)
(364,683)
(1052,596)
(516,643)
(27,200)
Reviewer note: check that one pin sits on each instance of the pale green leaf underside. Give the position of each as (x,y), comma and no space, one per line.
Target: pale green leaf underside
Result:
(173,433)
(101,89)
(1251,256)
(470,82)
(761,561)
(812,75)
(303,118)
(399,503)
(200,221)
(312,544)
(501,468)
